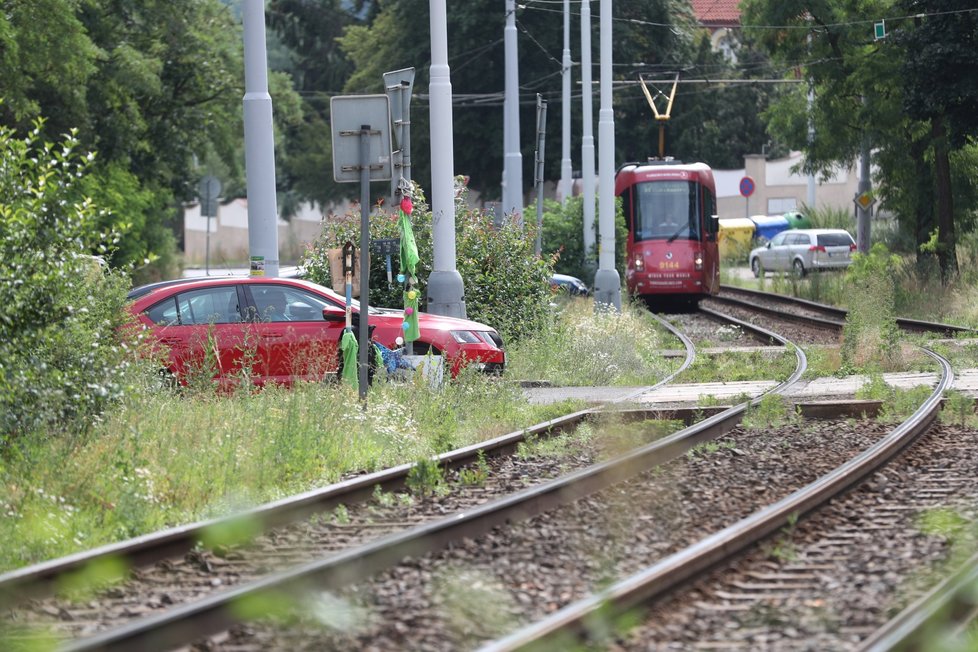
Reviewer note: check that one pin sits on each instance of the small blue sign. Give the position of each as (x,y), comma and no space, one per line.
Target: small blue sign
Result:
(746,187)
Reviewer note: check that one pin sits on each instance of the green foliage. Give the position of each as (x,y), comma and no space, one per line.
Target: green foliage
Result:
(870,336)
(425,478)
(773,411)
(563,238)
(583,345)
(959,409)
(477,474)
(506,285)
(60,357)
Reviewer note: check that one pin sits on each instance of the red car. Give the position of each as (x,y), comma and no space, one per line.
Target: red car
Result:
(287,329)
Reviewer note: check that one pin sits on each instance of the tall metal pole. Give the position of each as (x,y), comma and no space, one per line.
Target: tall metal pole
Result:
(587,140)
(566,171)
(446,294)
(364,335)
(863,214)
(538,177)
(512,158)
(811,132)
(607,282)
(259,145)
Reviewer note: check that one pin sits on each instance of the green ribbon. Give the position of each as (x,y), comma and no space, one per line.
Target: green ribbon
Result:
(350,349)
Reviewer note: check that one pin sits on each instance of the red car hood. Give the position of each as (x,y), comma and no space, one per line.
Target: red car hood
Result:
(435,322)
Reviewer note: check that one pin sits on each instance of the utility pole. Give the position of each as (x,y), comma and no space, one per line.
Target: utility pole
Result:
(259,146)
(864,209)
(566,170)
(811,131)
(512,158)
(607,282)
(538,177)
(446,292)
(587,140)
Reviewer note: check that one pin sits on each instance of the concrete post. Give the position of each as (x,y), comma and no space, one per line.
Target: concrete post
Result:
(566,170)
(512,158)
(259,144)
(607,281)
(446,294)
(587,140)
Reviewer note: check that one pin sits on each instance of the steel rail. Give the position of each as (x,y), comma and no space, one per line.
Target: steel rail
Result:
(787,316)
(575,620)
(218,612)
(944,610)
(42,579)
(756,331)
(914,325)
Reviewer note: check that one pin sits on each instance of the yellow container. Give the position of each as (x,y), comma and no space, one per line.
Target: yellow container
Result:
(735,237)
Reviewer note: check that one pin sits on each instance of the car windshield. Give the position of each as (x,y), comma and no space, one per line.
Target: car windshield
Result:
(834,239)
(666,210)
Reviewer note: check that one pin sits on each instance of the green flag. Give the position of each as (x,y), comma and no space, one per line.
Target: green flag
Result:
(350,349)
(409,248)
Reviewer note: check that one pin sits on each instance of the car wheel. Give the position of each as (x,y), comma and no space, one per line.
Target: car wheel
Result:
(755,266)
(799,268)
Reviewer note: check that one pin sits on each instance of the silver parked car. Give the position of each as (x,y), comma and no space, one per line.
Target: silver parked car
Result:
(804,250)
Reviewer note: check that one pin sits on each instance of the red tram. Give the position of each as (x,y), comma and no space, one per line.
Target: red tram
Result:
(670,212)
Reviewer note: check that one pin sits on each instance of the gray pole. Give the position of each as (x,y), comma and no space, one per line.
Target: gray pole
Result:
(566,171)
(587,140)
(607,282)
(538,179)
(863,214)
(364,335)
(446,292)
(259,144)
(811,133)
(512,158)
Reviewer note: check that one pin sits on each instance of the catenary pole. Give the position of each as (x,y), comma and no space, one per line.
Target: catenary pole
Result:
(607,282)
(512,158)
(566,170)
(445,288)
(587,139)
(538,170)
(259,146)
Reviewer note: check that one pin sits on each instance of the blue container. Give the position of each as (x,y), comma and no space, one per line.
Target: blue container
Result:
(766,227)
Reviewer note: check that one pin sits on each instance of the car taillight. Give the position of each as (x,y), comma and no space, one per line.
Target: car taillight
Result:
(852,247)
(817,248)
(639,263)
(698,263)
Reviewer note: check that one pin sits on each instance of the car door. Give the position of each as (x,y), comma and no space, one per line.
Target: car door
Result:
(294,341)
(798,247)
(203,330)
(772,258)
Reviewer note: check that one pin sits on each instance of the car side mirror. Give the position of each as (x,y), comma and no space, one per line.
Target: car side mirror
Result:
(768,245)
(333,317)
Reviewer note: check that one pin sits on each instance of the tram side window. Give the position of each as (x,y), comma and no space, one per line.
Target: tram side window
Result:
(667,210)
(626,207)
(709,210)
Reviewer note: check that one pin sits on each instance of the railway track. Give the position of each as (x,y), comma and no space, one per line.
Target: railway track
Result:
(581,619)
(804,311)
(346,565)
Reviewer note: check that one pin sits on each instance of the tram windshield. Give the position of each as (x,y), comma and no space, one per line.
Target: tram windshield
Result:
(666,210)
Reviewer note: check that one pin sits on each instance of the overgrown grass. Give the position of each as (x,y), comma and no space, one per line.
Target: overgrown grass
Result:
(164,459)
(732,366)
(584,346)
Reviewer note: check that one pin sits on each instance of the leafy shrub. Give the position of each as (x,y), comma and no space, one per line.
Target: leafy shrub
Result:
(506,285)
(60,359)
(563,236)
(870,335)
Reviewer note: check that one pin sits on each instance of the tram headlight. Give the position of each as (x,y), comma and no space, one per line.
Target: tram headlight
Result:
(639,263)
(698,263)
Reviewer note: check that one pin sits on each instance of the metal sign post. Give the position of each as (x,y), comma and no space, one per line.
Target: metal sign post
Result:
(399,84)
(210,190)
(362,152)
(538,178)
(746,190)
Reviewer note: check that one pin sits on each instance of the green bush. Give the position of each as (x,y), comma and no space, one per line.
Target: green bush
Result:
(60,357)
(563,236)
(506,285)
(870,337)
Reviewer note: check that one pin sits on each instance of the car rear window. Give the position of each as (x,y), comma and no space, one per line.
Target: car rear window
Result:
(834,239)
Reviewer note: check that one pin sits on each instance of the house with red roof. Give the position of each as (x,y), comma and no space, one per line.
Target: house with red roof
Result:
(722,18)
